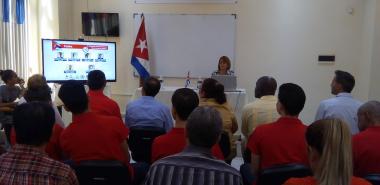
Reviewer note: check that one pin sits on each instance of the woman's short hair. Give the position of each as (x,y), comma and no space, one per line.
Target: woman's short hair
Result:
(331,138)
(226,60)
(214,89)
(36,81)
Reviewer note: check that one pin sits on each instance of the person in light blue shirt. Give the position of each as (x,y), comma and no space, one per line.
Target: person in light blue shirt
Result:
(343,105)
(147,111)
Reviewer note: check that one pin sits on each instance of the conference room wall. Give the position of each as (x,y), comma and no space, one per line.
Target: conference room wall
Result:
(374,93)
(278,38)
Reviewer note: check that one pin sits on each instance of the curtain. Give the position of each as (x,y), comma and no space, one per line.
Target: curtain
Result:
(14,36)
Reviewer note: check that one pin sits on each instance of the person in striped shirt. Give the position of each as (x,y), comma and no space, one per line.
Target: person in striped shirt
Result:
(27,163)
(195,165)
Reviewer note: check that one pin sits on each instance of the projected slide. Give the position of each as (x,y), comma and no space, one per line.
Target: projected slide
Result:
(73,60)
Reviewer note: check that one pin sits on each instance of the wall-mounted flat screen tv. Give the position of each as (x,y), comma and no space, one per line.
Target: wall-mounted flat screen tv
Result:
(100,24)
(64,60)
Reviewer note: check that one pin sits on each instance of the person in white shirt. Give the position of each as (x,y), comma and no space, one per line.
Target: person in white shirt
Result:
(343,105)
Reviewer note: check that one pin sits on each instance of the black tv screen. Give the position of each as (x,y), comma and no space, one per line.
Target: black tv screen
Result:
(100,24)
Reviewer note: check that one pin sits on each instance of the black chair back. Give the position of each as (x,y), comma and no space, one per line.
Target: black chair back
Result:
(102,173)
(140,142)
(278,174)
(373,178)
(224,144)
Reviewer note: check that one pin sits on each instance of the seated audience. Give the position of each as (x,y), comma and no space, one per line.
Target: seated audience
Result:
(263,109)
(184,101)
(343,106)
(366,143)
(38,81)
(43,94)
(282,141)
(148,112)
(212,95)
(26,163)
(195,164)
(99,103)
(9,92)
(91,136)
(329,143)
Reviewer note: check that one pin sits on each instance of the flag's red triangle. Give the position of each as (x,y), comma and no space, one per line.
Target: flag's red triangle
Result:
(140,49)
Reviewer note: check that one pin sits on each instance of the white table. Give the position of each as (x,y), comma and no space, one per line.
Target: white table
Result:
(237,99)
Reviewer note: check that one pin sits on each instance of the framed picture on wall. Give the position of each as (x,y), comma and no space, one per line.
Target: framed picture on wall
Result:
(183,1)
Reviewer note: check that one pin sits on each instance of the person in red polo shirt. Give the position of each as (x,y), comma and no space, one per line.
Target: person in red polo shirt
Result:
(283,141)
(99,103)
(365,144)
(91,136)
(184,101)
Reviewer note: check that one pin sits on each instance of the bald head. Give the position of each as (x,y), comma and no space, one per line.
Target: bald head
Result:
(265,85)
(369,115)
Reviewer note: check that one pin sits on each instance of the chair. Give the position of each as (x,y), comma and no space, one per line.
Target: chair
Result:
(247,155)
(102,173)
(278,174)
(140,142)
(373,178)
(224,144)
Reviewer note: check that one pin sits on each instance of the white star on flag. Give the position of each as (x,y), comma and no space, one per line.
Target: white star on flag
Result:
(142,45)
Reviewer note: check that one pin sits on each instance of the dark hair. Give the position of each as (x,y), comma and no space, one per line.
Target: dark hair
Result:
(96,80)
(73,96)
(151,86)
(42,94)
(292,98)
(184,101)
(265,85)
(33,123)
(224,59)
(6,75)
(204,127)
(214,89)
(345,79)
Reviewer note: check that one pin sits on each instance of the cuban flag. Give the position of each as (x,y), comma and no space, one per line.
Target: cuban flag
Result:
(140,56)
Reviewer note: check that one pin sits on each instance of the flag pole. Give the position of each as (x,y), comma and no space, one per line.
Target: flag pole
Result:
(140,53)
(141,80)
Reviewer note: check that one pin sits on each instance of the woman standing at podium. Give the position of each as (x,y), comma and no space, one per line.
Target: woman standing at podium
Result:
(224,67)
(212,95)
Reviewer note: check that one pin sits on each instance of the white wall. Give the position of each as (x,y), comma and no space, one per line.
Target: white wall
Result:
(278,38)
(43,23)
(375,53)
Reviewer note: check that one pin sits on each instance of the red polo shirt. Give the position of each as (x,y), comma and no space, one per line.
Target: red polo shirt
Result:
(53,148)
(94,137)
(101,104)
(280,142)
(313,181)
(366,151)
(174,142)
